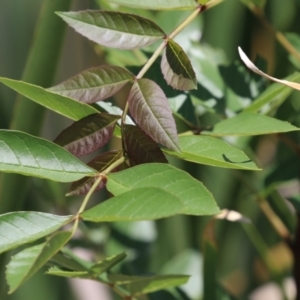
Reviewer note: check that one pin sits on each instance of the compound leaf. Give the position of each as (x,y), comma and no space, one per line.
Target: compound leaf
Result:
(114,29)
(177,68)
(88,134)
(94,84)
(28,155)
(22,227)
(149,107)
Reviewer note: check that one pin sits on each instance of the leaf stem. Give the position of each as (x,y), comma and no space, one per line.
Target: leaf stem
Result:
(89,194)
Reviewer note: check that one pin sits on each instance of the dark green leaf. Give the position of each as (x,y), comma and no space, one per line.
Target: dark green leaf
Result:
(88,134)
(247,123)
(94,84)
(158,4)
(58,103)
(143,285)
(177,69)
(171,180)
(18,228)
(28,155)
(147,203)
(99,163)
(150,108)
(114,29)
(27,262)
(140,147)
(213,152)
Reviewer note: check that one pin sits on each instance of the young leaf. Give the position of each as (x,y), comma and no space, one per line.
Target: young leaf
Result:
(149,107)
(253,68)
(99,163)
(27,262)
(213,152)
(147,203)
(28,155)
(158,4)
(177,68)
(18,228)
(94,84)
(247,123)
(140,147)
(114,29)
(170,180)
(58,103)
(88,134)
(143,285)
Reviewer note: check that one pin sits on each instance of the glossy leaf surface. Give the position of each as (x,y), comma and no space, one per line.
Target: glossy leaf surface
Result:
(140,147)
(158,4)
(99,163)
(27,262)
(147,203)
(58,103)
(28,155)
(94,84)
(247,123)
(88,134)
(177,68)
(143,285)
(141,189)
(114,29)
(149,107)
(18,228)
(213,152)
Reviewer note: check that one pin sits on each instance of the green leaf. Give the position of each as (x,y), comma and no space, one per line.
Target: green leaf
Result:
(88,134)
(147,203)
(273,95)
(149,107)
(158,4)
(143,285)
(27,262)
(28,155)
(247,123)
(58,103)
(18,228)
(94,84)
(106,264)
(99,163)
(140,147)
(177,68)
(114,29)
(213,152)
(169,179)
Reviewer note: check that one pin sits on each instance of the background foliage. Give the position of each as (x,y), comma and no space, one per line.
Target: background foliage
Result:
(236,257)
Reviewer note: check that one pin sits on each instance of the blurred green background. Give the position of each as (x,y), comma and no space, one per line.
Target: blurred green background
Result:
(37,47)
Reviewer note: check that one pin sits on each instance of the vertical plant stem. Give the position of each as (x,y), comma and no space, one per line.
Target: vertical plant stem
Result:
(40,69)
(27,115)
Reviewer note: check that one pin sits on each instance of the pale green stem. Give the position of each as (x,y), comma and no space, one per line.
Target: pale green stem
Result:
(213,3)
